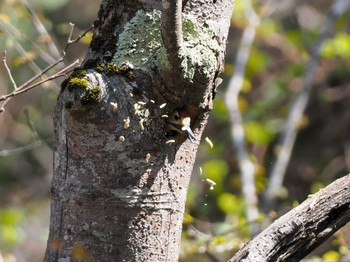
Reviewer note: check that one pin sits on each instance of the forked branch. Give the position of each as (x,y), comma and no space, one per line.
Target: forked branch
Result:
(31,83)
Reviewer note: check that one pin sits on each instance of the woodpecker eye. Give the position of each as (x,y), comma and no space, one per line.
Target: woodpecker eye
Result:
(176,116)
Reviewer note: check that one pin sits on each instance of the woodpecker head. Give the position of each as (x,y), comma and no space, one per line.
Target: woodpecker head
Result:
(180,122)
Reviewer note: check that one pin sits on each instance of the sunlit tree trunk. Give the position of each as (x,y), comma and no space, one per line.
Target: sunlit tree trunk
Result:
(120,176)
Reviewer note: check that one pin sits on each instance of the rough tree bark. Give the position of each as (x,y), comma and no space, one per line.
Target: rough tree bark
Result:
(120,177)
(297,233)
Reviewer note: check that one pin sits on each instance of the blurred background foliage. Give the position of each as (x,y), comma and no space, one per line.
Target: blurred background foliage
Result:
(215,225)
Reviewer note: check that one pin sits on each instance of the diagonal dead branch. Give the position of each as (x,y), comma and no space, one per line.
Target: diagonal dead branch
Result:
(304,228)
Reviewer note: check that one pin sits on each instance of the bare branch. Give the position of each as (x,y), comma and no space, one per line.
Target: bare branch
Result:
(61,73)
(9,71)
(42,73)
(73,41)
(298,108)
(20,150)
(69,41)
(37,141)
(172,32)
(28,84)
(4,99)
(237,132)
(304,228)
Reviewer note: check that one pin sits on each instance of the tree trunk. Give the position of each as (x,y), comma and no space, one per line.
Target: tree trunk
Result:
(120,175)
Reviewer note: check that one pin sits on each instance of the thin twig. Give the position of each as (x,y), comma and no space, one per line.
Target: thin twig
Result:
(298,108)
(19,150)
(70,41)
(4,100)
(42,73)
(28,84)
(9,71)
(247,167)
(61,73)
(37,142)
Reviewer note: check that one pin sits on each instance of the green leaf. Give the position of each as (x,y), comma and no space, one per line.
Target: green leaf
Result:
(215,170)
(337,46)
(331,256)
(12,216)
(257,62)
(10,231)
(230,204)
(10,235)
(220,110)
(257,133)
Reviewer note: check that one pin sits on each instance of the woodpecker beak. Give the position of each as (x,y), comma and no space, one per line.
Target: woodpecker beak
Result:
(182,125)
(189,133)
(186,122)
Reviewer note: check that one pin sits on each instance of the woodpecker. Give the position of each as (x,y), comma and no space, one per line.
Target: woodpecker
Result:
(180,121)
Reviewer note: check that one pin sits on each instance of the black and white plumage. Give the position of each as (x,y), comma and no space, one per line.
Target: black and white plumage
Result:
(181,122)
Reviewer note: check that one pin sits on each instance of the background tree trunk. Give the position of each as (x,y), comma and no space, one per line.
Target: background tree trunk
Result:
(119,186)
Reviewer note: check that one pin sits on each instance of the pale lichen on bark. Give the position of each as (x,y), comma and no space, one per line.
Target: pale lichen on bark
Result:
(141,44)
